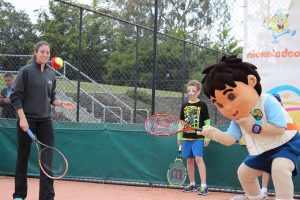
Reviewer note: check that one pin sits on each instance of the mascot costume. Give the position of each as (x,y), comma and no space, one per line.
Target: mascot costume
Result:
(270,135)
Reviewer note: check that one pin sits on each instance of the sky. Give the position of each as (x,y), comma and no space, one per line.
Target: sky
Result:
(29,6)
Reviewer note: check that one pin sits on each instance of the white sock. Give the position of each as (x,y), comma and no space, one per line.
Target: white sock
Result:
(258,197)
(193,183)
(203,185)
(264,190)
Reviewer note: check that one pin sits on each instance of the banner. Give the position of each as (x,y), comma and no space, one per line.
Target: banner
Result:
(272,43)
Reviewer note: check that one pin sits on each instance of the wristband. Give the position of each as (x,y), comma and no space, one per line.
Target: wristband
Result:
(256,128)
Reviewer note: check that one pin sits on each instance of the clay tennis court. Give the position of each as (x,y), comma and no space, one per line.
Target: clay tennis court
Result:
(72,190)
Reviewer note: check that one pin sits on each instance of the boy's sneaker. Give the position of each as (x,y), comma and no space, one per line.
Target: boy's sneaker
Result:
(203,191)
(190,188)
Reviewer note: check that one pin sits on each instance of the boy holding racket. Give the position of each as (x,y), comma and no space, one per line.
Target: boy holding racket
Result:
(194,112)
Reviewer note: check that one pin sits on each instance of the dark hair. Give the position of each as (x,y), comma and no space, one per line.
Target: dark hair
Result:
(8,74)
(226,72)
(36,48)
(277,96)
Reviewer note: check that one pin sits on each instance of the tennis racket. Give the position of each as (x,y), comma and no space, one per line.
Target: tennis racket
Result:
(177,172)
(52,162)
(166,125)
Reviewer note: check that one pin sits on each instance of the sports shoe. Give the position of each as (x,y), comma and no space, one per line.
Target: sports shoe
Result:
(203,191)
(190,188)
(239,197)
(244,197)
(266,195)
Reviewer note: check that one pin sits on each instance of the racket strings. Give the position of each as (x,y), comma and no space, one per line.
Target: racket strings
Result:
(52,162)
(163,125)
(177,173)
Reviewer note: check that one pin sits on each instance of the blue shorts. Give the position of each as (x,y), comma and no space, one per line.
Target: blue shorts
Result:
(289,150)
(192,148)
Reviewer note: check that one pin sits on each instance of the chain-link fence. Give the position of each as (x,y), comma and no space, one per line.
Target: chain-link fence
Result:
(110,68)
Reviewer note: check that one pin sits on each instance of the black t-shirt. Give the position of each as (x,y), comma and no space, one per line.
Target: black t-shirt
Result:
(194,114)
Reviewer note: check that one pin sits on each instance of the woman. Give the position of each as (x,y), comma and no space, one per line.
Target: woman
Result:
(33,94)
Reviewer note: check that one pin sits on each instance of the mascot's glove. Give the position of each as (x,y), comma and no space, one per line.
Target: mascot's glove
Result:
(266,128)
(246,123)
(217,135)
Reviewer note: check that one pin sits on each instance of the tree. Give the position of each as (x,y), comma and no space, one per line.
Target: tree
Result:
(16,36)
(59,27)
(226,42)
(196,18)
(122,59)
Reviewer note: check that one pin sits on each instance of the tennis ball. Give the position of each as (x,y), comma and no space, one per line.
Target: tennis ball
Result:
(57,63)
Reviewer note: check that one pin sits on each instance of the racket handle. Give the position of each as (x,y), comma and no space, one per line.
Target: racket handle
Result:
(198,129)
(29,132)
(179,148)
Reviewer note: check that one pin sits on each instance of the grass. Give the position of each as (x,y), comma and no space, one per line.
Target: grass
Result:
(66,86)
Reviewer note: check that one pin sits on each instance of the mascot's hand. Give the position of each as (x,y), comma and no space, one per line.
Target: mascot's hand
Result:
(246,123)
(217,135)
(208,131)
(266,128)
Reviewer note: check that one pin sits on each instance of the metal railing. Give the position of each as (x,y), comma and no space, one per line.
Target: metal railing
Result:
(94,100)
(98,85)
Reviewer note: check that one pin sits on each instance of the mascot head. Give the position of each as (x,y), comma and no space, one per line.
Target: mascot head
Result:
(233,86)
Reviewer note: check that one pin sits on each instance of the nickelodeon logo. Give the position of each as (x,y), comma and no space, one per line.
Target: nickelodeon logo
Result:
(286,53)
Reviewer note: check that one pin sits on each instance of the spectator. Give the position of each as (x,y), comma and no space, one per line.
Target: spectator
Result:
(8,110)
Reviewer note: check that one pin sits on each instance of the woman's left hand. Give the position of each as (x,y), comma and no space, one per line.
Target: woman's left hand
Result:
(67,105)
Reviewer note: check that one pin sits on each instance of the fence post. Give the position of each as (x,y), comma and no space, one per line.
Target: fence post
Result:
(80,64)
(183,71)
(136,71)
(154,57)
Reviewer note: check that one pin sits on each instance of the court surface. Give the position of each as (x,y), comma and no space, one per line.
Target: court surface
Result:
(73,190)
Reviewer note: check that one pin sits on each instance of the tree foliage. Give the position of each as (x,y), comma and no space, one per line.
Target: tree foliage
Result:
(110,47)
(226,43)
(196,18)
(16,34)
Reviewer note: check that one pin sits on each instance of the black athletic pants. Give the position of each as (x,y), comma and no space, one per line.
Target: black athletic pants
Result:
(45,134)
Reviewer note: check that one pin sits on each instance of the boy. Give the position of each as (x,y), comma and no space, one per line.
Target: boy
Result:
(8,110)
(195,113)
(271,140)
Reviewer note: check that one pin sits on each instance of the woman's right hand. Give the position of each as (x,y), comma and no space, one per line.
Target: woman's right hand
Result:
(23,121)
(24,124)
